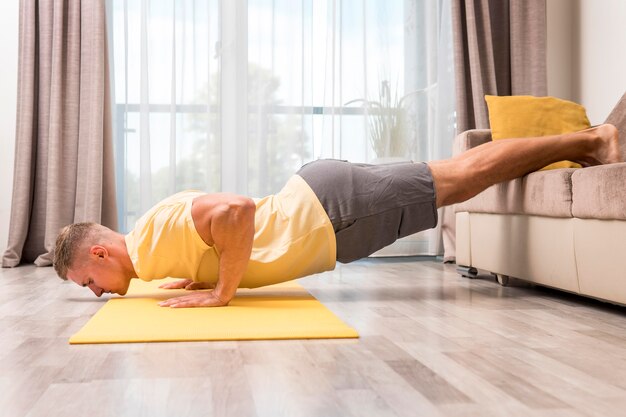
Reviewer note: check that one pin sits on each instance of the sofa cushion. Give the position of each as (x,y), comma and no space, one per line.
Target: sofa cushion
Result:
(530,116)
(543,193)
(600,192)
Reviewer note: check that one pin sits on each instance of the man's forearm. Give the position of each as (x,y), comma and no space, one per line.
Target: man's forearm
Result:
(237,232)
(232,267)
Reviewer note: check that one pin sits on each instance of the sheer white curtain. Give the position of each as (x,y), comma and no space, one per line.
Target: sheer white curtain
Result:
(235,95)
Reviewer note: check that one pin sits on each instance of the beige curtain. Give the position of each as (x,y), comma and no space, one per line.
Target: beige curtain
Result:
(63,153)
(499,49)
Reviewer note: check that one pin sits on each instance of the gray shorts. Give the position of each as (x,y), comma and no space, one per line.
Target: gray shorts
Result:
(370,206)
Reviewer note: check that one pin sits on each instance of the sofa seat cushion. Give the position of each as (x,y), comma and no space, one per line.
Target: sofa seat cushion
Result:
(600,192)
(543,193)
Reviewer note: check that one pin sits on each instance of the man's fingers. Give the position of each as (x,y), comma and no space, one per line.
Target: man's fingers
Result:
(188,304)
(182,283)
(200,286)
(201,299)
(187,284)
(170,302)
(167,286)
(177,300)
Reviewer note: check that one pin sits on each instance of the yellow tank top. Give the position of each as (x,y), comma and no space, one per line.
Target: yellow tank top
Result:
(293,237)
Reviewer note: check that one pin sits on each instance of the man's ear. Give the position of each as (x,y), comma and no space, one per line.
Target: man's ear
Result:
(99,251)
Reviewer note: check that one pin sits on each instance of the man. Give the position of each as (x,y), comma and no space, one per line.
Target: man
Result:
(329,211)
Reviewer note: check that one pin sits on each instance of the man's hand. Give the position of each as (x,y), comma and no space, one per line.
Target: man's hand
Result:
(188,285)
(199,299)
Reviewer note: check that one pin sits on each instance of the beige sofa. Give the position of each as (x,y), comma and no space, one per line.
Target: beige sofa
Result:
(562,228)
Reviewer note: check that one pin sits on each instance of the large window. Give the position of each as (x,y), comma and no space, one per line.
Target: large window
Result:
(236,95)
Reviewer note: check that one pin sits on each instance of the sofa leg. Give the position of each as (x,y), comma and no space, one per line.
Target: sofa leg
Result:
(467,271)
(502,279)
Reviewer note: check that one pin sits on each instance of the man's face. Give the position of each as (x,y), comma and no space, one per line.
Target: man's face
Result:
(99,279)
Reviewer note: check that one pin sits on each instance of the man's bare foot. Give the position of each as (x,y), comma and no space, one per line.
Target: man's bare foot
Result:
(606,149)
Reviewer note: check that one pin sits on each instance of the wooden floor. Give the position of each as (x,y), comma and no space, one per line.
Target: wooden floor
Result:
(432,343)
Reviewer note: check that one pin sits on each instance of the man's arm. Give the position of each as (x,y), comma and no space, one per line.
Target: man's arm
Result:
(232,229)
(225,221)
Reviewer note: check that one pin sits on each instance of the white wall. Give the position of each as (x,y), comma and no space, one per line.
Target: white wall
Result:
(560,48)
(600,62)
(9,19)
(587,53)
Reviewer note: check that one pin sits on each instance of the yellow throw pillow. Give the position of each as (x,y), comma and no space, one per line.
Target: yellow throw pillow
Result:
(529,116)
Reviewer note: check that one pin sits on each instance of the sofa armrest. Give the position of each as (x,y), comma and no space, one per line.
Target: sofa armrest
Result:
(618,119)
(470,139)
(463,142)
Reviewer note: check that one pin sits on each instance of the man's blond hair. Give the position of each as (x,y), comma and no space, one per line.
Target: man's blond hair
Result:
(70,240)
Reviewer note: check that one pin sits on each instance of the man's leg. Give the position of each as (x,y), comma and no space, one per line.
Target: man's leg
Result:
(462,177)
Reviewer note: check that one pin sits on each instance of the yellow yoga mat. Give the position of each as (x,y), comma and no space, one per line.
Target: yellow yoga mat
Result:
(282,311)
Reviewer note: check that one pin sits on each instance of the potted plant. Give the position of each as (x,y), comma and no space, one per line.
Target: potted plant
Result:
(389,124)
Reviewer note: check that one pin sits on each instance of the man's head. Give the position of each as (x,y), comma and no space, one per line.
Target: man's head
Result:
(93,256)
